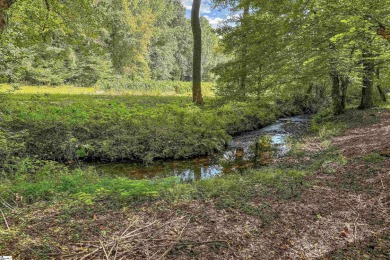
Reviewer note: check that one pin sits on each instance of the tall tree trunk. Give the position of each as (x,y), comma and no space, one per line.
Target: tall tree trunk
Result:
(336,89)
(381,93)
(4,6)
(197,54)
(344,88)
(336,95)
(259,83)
(368,80)
(243,57)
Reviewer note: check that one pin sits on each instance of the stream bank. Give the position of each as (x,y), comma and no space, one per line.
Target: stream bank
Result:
(249,150)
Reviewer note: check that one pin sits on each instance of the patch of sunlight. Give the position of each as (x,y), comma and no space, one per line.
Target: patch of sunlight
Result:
(64,89)
(73,90)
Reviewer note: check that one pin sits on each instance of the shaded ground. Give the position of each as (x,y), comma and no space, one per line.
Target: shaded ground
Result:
(342,214)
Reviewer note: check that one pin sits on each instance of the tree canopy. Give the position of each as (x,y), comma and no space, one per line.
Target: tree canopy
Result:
(79,42)
(298,46)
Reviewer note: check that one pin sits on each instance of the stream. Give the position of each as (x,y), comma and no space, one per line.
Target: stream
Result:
(247,151)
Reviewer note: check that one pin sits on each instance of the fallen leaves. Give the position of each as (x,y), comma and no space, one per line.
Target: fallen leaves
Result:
(345,232)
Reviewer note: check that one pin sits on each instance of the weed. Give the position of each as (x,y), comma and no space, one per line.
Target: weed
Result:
(373,158)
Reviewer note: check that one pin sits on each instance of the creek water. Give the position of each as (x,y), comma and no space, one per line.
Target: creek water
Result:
(249,150)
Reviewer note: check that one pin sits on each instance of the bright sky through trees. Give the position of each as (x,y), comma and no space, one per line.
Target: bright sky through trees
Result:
(214,16)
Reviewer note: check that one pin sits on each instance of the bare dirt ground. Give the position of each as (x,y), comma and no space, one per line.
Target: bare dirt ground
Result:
(343,214)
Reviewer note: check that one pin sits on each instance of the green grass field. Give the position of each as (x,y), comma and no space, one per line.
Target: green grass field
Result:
(125,88)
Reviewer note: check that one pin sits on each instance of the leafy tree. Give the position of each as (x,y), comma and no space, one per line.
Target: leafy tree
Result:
(298,46)
(80,42)
(4,6)
(51,42)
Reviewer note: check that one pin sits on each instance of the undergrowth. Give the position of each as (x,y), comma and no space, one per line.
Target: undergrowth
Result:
(52,182)
(325,125)
(26,179)
(67,128)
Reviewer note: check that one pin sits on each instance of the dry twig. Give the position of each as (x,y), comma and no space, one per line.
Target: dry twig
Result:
(5,220)
(104,250)
(176,241)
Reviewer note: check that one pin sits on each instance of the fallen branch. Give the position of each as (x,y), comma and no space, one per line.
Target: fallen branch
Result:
(5,220)
(119,245)
(176,241)
(188,242)
(91,254)
(104,250)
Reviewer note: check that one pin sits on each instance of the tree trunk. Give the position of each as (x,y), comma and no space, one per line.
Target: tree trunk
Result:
(243,57)
(197,54)
(344,88)
(381,93)
(320,91)
(368,80)
(336,89)
(4,5)
(336,96)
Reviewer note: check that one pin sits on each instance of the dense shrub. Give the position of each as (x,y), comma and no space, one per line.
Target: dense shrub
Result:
(11,150)
(49,65)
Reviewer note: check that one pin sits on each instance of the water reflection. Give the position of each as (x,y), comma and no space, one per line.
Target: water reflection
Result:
(199,173)
(250,150)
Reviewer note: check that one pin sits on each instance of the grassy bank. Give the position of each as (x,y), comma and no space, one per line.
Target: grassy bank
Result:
(67,128)
(50,208)
(36,180)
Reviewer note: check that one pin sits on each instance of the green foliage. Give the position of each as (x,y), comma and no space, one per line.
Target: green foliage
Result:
(151,86)
(85,127)
(79,43)
(326,130)
(49,65)
(240,191)
(373,158)
(53,181)
(12,151)
(287,47)
(326,125)
(242,116)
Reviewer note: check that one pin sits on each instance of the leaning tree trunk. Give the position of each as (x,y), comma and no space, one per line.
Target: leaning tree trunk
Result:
(4,5)
(368,80)
(197,54)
